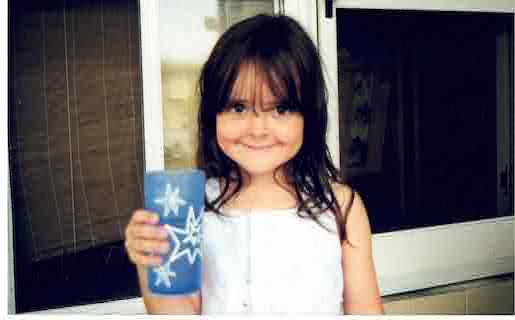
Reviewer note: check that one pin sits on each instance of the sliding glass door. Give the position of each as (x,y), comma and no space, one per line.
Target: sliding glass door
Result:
(421,97)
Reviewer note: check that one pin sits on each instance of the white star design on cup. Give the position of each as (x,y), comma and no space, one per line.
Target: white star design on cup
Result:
(192,227)
(171,201)
(164,274)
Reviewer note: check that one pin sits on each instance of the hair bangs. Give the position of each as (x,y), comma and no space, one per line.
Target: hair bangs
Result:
(275,74)
(283,80)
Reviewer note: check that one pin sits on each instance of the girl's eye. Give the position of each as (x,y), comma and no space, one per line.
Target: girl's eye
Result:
(237,108)
(283,109)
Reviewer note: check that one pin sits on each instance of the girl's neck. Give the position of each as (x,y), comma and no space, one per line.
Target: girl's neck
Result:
(262,181)
(262,191)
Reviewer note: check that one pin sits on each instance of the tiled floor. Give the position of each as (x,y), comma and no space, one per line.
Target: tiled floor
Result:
(486,296)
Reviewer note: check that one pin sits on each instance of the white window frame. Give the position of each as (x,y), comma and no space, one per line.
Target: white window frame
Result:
(153,150)
(415,259)
(405,260)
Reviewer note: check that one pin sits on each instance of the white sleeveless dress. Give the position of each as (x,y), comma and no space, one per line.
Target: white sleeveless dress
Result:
(269,261)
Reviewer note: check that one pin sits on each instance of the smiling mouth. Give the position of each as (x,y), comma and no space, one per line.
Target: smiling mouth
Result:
(258,147)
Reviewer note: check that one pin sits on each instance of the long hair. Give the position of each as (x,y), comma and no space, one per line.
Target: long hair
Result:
(280,49)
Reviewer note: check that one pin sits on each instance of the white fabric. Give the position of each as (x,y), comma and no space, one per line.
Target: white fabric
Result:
(269,261)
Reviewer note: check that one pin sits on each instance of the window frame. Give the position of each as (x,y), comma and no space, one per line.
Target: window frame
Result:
(420,258)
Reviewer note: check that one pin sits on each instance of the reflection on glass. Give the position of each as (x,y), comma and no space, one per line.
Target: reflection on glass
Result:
(425,102)
(187,31)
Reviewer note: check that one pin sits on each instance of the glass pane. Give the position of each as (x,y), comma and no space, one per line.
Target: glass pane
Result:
(75,149)
(188,30)
(426,110)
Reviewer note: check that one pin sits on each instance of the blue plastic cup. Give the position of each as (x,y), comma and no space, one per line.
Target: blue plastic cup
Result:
(178,197)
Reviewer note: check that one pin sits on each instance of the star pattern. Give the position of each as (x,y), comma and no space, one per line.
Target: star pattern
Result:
(171,201)
(192,234)
(192,228)
(164,274)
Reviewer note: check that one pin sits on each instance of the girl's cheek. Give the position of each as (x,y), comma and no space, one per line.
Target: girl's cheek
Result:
(292,131)
(230,131)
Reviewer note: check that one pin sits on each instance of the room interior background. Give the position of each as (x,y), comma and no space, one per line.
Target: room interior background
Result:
(76,149)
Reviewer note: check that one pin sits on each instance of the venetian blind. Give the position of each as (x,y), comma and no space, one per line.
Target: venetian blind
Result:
(75,124)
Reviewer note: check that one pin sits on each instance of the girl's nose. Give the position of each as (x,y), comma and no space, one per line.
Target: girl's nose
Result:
(258,124)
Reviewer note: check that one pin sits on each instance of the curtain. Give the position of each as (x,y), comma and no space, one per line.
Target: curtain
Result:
(75,124)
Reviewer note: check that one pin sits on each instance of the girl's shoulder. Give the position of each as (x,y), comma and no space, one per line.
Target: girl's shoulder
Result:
(344,194)
(357,225)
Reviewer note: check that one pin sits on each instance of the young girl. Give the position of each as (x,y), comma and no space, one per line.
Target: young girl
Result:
(281,231)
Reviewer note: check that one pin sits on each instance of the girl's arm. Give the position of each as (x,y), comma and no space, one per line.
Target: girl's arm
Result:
(361,292)
(143,235)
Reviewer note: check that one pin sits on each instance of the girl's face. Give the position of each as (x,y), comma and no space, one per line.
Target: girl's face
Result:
(256,129)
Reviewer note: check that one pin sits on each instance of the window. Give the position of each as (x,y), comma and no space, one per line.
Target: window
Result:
(180,65)
(430,154)
(75,149)
(77,143)
(424,101)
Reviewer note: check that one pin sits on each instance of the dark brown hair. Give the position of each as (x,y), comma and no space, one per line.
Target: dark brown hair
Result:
(279,47)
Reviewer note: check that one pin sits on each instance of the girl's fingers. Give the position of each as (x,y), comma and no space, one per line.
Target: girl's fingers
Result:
(144,260)
(146,252)
(139,218)
(143,236)
(147,231)
(144,216)
(151,260)
(143,246)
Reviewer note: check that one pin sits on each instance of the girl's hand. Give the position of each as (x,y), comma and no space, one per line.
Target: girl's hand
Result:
(145,240)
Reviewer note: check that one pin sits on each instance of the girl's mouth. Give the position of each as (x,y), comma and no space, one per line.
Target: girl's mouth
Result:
(259,147)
